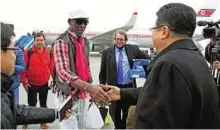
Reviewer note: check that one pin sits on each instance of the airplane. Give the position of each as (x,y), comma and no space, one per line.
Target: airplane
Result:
(135,38)
(101,40)
(210,12)
(142,38)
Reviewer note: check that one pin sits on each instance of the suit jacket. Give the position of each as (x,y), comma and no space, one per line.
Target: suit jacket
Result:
(108,71)
(179,92)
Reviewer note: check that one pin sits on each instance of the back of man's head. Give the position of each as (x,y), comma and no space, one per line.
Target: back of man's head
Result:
(180,18)
(7,34)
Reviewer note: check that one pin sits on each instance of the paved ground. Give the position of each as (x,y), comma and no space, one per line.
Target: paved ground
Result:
(95,66)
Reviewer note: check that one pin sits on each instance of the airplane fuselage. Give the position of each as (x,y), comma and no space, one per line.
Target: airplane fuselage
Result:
(140,39)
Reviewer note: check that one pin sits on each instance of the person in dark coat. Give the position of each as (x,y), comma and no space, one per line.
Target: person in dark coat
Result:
(214,65)
(179,91)
(13,114)
(110,73)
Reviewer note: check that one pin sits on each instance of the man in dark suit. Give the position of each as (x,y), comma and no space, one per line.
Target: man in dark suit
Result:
(115,65)
(179,92)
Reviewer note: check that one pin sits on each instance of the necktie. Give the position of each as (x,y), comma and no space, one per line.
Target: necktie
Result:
(120,69)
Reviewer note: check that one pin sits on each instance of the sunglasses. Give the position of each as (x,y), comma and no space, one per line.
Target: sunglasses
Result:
(81,21)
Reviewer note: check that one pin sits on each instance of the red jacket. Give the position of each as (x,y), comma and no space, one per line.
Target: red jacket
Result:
(38,72)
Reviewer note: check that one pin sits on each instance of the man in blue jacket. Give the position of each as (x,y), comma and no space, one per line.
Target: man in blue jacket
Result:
(19,67)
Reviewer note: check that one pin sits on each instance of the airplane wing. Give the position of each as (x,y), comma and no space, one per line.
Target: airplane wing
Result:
(107,37)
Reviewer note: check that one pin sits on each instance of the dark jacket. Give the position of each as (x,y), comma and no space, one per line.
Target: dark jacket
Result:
(12,115)
(108,71)
(208,52)
(179,91)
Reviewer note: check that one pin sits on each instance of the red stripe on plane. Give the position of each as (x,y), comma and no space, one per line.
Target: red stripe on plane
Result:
(205,12)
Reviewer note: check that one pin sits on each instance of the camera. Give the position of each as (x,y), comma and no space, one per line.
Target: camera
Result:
(212,30)
(209,32)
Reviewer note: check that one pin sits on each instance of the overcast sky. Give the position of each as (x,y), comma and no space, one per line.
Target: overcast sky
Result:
(51,15)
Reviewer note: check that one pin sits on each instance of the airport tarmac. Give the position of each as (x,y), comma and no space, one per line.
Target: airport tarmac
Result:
(95,61)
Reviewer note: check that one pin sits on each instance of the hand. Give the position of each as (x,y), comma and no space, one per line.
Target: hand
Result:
(98,94)
(27,86)
(68,113)
(114,92)
(216,65)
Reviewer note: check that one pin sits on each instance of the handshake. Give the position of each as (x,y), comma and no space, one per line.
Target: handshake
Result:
(104,93)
